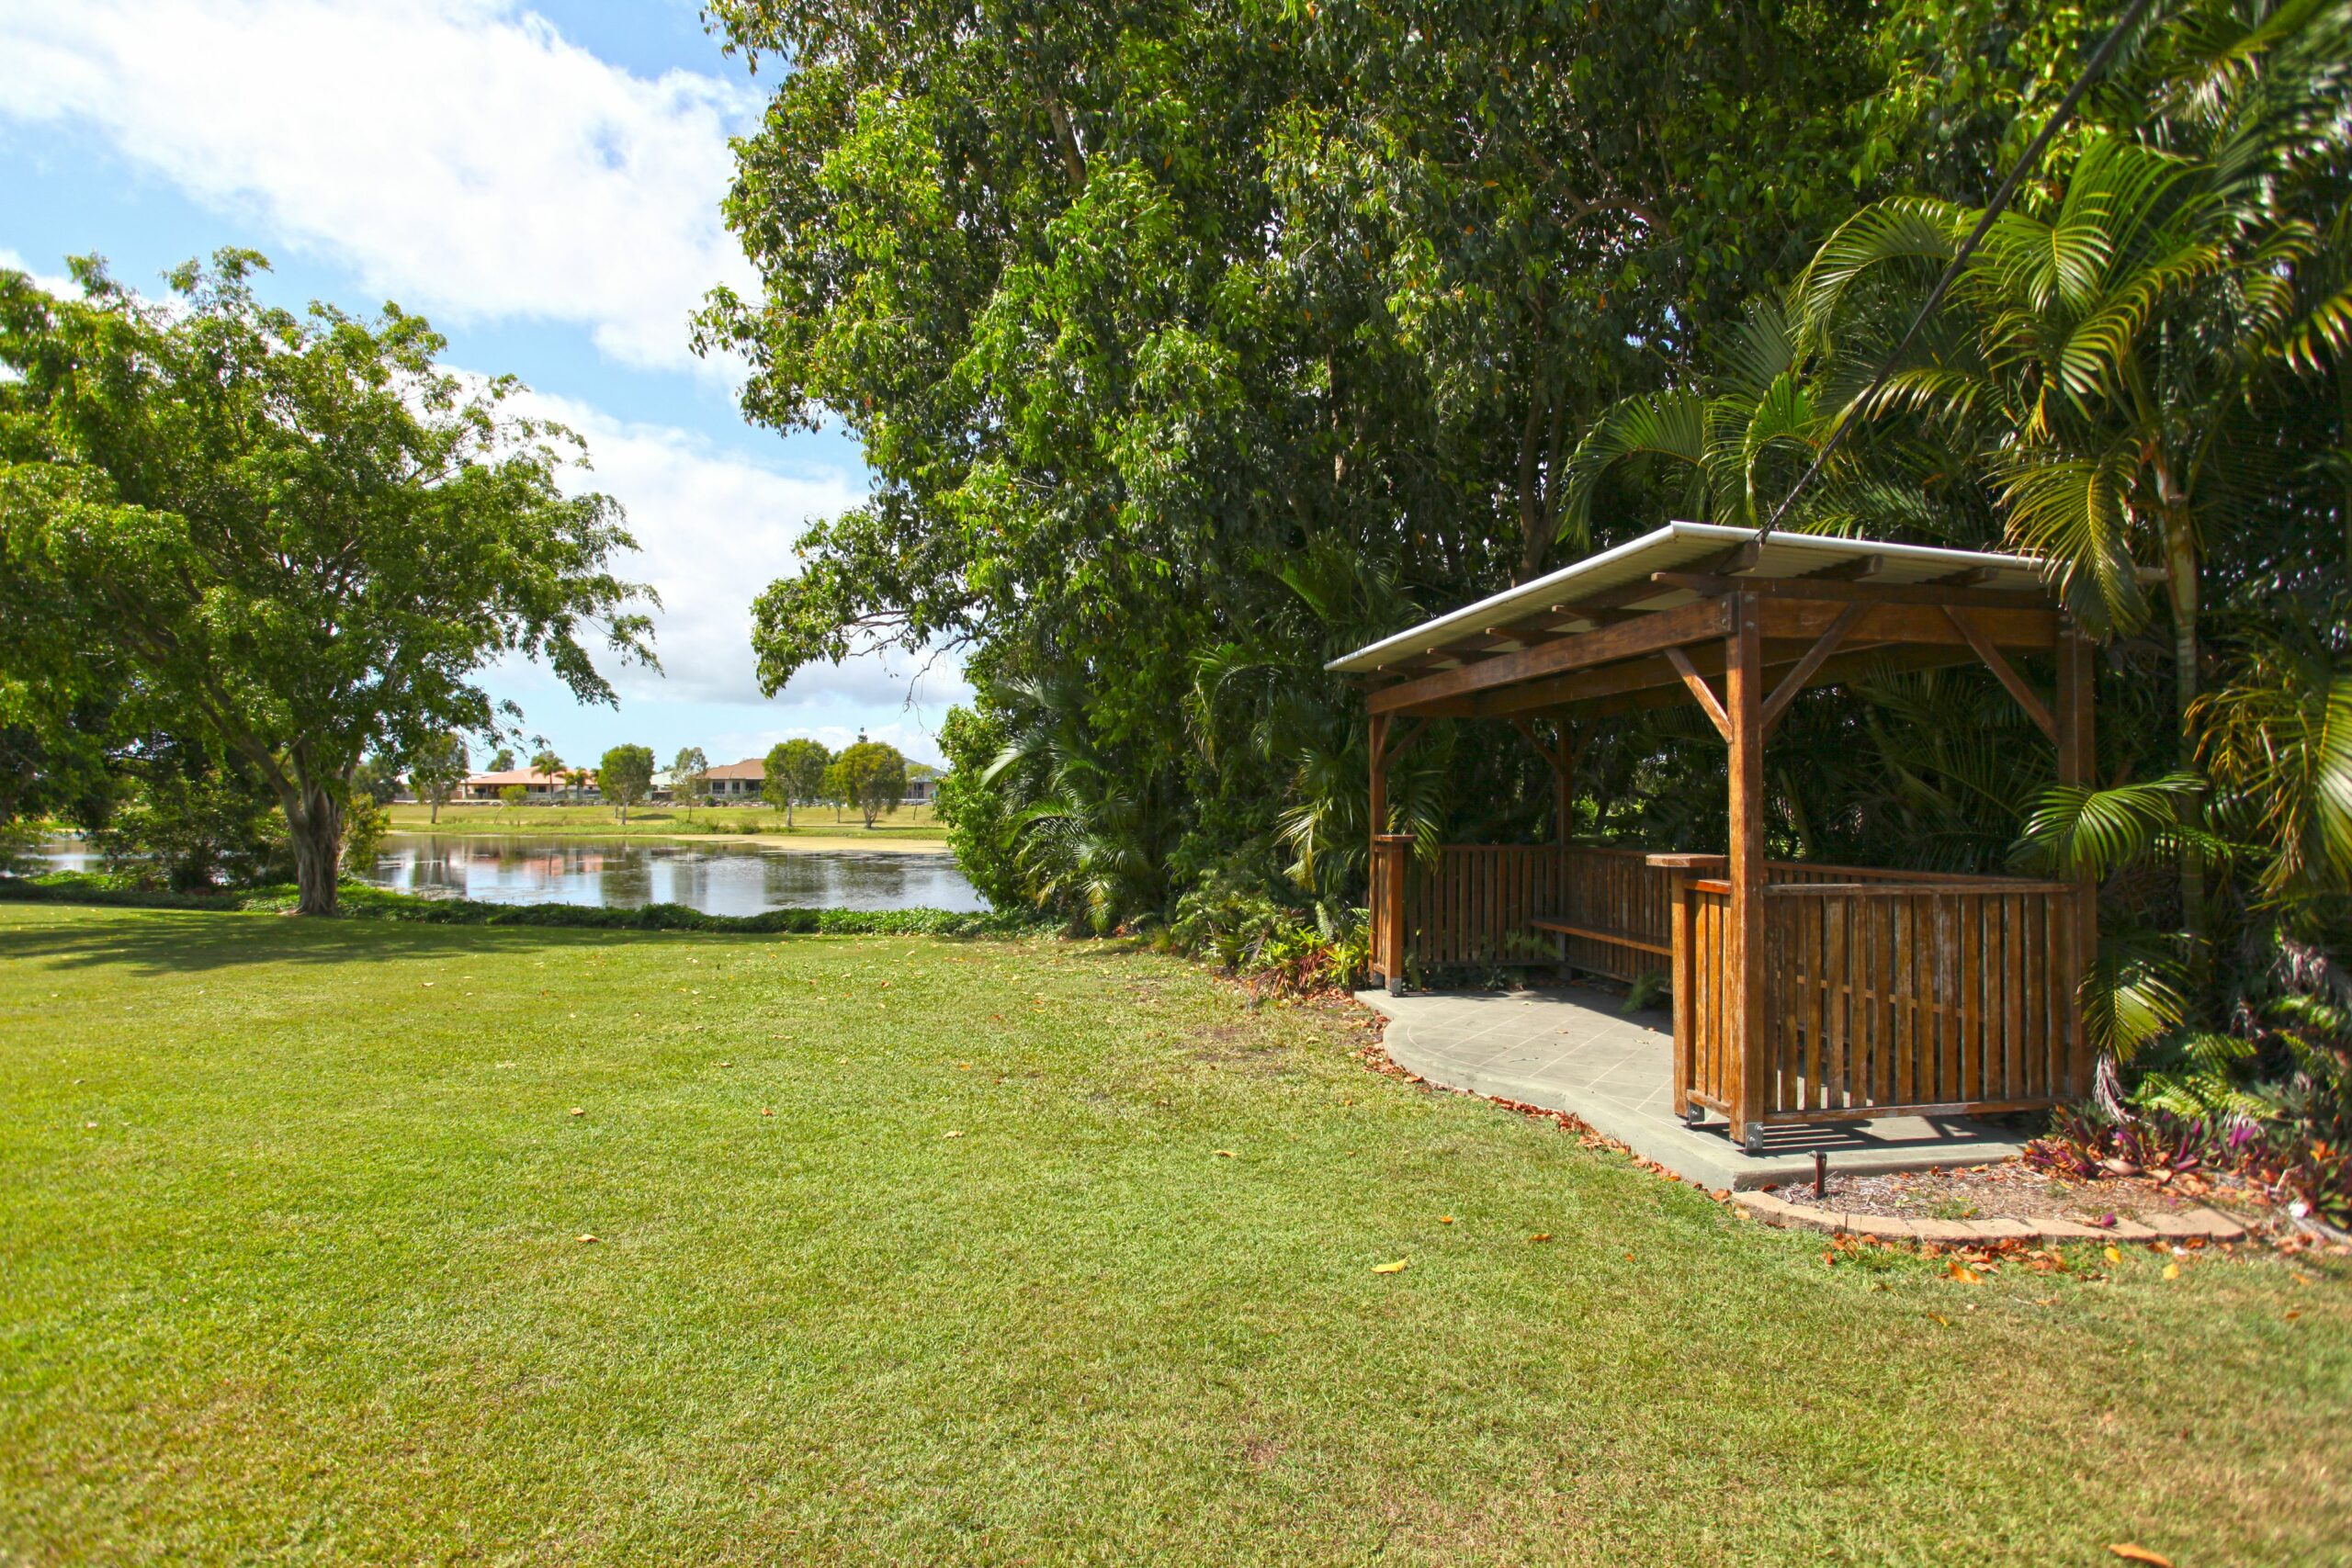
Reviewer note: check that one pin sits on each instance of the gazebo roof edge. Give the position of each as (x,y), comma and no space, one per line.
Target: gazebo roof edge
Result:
(1679,545)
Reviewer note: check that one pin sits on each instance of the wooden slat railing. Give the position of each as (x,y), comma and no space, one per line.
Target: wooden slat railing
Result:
(1904,997)
(1705,1069)
(1618,893)
(1477,904)
(1887,992)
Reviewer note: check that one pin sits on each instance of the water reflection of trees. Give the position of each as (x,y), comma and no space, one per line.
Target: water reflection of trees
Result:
(720,880)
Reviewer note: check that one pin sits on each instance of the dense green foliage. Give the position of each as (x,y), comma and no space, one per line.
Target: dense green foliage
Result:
(291,539)
(796,772)
(689,776)
(1193,346)
(625,776)
(436,769)
(869,776)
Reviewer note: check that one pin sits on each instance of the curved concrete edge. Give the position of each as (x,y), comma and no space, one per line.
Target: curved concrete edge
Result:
(1631,1131)
(2204,1224)
(1707,1159)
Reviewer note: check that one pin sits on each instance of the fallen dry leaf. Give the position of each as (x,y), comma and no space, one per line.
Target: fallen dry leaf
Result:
(765,1111)
(579,1111)
(1541,1235)
(1964,1273)
(587,1238)
(1445,1219)
(1226,1154)
(2172,1270)
(1396,1268)
(2130,1551)
(2113,1255)
(955,1135)
(1941,1318)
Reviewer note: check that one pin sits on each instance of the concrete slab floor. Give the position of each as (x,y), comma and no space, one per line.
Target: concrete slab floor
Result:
(1568,1049)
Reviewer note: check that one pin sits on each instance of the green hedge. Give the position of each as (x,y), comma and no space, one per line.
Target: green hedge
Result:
(362,902)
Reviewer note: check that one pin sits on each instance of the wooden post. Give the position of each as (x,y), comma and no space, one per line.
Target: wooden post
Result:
(2076,765)
(1685,988)
(1379,814)
(1743,707)
(1564,786)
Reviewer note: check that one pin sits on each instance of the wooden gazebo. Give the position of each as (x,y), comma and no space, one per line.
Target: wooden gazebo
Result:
(1801,992)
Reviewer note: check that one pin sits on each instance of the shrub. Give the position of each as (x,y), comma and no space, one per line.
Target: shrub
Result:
(1249,935)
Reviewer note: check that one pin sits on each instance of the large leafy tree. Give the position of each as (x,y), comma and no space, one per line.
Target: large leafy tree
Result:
(796,772)
(300,533)
(870,776)
(625,776)
(436,769)
(1136,307)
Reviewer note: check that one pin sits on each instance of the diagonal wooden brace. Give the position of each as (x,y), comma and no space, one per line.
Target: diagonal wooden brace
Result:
(2028,698)
(1815,658)
(1708,701)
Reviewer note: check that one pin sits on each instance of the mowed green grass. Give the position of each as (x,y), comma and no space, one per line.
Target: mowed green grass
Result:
(290,1270)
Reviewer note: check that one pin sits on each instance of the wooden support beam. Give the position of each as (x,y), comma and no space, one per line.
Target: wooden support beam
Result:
(1815,658)
(1855,569)
(1741,556)
(1604,646)
(1852,664)
(2028,698)
(1561,755)
(1708,702)
(1966,577)
(2035,630)
(1399,744)
(1744,957)
(1919,594)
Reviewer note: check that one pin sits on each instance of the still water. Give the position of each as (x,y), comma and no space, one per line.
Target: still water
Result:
(627,874)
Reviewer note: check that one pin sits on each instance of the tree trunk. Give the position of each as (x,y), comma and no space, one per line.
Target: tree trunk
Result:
(316,824)
(2180,567)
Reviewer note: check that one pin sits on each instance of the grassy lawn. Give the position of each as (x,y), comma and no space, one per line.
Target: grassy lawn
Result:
(913,824)
(292,1268)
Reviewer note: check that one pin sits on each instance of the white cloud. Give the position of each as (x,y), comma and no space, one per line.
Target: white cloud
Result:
(714,529)
(55,283)
(457,155)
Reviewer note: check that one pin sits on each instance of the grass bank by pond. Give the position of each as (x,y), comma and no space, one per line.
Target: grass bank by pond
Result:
(912,826)
(918,1249)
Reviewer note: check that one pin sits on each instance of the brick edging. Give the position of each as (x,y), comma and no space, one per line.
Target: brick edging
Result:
(2204,1223)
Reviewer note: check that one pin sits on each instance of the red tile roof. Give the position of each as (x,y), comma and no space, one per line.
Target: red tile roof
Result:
(524,776)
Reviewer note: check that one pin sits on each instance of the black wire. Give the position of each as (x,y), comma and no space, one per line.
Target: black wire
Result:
(2025,163)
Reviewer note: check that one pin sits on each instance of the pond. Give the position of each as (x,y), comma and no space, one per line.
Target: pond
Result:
(628,874)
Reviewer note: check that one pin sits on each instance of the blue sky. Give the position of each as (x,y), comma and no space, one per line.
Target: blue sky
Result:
(543,181)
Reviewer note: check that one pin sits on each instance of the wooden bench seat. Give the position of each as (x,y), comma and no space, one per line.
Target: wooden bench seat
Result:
(1594,933)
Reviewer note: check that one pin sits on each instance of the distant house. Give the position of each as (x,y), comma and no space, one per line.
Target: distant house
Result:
(538,787)
(923,784)
(736,781)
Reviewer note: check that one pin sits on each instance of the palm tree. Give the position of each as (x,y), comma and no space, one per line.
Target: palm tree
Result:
(2100,347)
(1094,830)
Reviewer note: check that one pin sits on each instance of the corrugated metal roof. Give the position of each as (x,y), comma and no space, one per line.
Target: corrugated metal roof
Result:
(1676,547)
